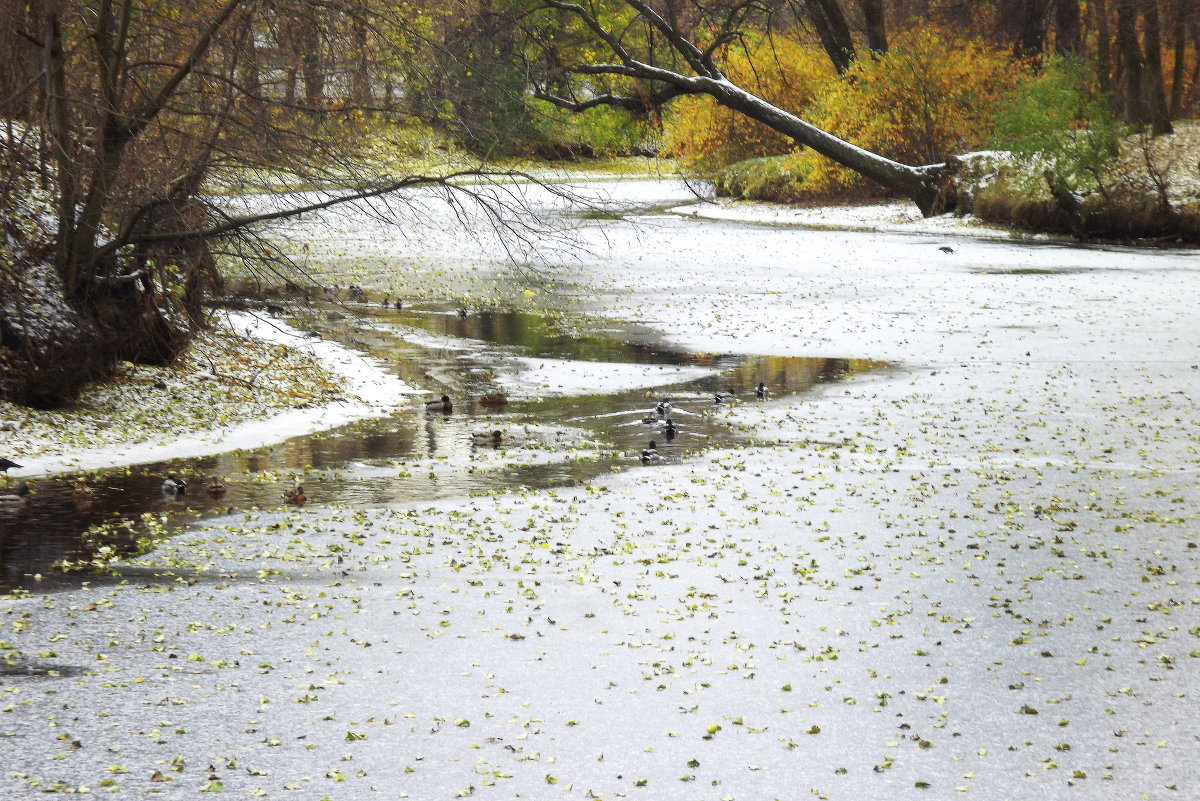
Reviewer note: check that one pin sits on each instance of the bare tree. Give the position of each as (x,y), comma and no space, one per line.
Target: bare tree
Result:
(140,103)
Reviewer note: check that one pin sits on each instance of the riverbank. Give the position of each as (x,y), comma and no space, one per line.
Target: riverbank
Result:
(247,382)
(900,217)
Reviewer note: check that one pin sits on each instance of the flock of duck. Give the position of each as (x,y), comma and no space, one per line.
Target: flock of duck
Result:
(175,487)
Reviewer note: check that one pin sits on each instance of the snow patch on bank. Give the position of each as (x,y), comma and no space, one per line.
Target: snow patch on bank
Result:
(371,392)
(883,217)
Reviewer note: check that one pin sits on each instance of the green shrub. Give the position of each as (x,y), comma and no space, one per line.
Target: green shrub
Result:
(1060,119)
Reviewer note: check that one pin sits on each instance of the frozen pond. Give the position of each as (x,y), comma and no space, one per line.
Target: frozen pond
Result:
(975,570)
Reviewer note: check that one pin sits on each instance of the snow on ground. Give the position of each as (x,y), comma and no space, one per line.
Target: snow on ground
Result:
(974,573)
(897,217)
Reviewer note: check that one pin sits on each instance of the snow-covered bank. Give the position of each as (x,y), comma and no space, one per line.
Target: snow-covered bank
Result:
(896,217)
(195,416)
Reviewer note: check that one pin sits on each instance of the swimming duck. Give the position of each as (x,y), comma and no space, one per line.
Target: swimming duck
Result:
(494,400)
(494,439)
(670,430)
(5,464)
(399,304)
(296,496)
(216,485)
(724,397)
(444,406)
(663,408)
(82,494)
(15,504)
(650,453)
(763,392)
(650,419)
(174,486)
(945,248)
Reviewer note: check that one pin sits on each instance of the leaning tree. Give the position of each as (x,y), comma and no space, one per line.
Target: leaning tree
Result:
(640,54)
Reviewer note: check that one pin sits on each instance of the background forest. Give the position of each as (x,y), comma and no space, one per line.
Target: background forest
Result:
(126,123)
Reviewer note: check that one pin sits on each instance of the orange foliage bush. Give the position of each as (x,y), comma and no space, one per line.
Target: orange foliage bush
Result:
(932,95)
(706,136)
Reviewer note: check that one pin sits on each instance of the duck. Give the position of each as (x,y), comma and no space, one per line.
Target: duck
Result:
(296,496)
(724,397)
(945,248)
(494,400)
(5,464)
(399,304)
(650,453)
(663,408)
(216,485)
(494,439)
(443,405)
(650,419)
(82,494)
(763,392)
(174,486)
(15,504)
(670,430)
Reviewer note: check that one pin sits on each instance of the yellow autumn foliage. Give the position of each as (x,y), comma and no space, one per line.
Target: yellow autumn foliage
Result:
(705,136)
(934,94)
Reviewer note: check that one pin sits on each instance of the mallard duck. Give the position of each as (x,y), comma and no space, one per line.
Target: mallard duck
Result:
(670,430)
(216,485)
(443,405)
(5,464)
(83,495)
(763,392)
(724,397)
(945,248)
(399,304)
(494,400)
(296,496)
(650,453)
(174,486)
(663,408)
(15,504)
(650,419)
(494,439)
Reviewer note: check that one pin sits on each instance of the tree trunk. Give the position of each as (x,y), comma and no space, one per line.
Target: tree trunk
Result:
(312,65)
(872,11)
(1156,92)
(18,79)
(1103,45)
(1029,36)
(834,32)
(1067,28)
(1134,107)
(1179,39)
(360,75)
